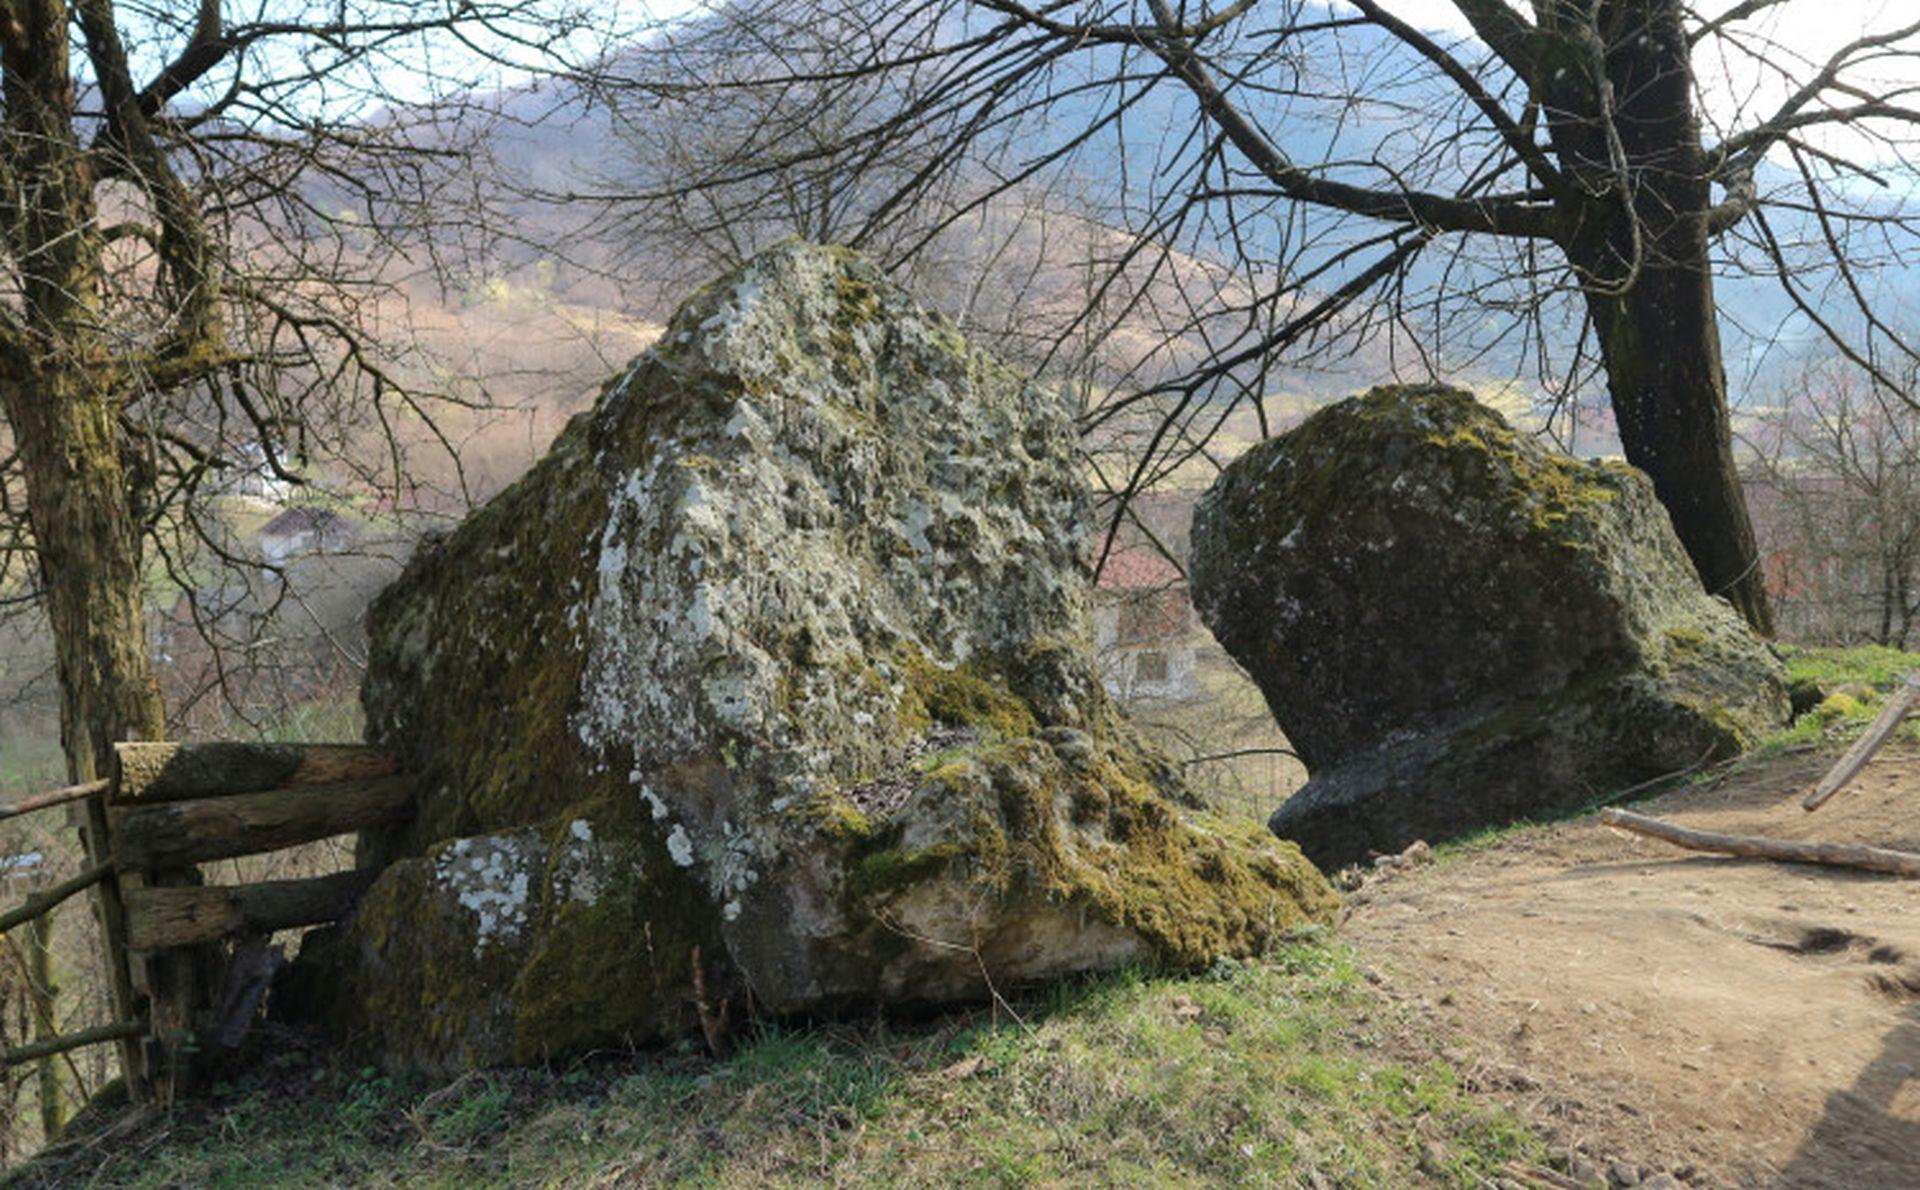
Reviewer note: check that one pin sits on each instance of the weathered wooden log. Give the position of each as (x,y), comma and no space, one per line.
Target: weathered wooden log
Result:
(97,839)
(158,918)
(1900,704)
(118,1031)
(55,797)
(44,901)
(1836,855)
(175,834)
(158,772)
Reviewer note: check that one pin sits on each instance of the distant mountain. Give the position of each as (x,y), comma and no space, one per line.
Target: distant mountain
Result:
(584,276)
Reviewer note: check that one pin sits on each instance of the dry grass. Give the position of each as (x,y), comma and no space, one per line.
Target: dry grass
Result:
(1287,1071)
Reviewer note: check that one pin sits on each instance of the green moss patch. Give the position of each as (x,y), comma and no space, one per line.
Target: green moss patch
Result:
(1486,459)
(1103,835)
(969,696)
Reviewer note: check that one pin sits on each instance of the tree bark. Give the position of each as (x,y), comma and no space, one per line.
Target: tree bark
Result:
(1638,233)
(61,390)
(88,542)
(1661,345)
(41,993)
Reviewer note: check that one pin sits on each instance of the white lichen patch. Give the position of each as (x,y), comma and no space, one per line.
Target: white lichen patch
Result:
(579,870)
(762,552)
(491,877)
(655,806)
(680,846)
(735,868)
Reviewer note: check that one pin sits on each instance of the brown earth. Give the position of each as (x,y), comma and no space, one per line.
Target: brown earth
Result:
(1719,1021)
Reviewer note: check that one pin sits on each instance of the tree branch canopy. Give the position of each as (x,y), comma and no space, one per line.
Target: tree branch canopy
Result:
(212,218)
(1551,165)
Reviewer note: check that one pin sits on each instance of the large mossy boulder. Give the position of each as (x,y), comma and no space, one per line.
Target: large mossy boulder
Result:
(1457,627)
(772,680)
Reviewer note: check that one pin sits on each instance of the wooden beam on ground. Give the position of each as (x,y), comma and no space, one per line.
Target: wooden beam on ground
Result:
(42,902)
(118,1031)
(57,797)
(158,918)
(175,834)
(160,772)
(1836,855)
(1900,704)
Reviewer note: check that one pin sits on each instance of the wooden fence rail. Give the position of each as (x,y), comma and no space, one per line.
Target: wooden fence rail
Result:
(42,903)
(58,797)
(33,1051)
(174,834)
(166,808)
(161,918)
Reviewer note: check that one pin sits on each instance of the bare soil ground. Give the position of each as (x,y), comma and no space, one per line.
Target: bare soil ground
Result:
(1716,1021)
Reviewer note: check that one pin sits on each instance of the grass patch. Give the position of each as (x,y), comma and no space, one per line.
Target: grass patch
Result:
(1267,1072)
(31,762)
(1856,682)
(1877,666)
(322,720)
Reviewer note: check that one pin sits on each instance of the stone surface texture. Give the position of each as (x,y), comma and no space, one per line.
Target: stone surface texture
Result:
(1457,627)
(772,679)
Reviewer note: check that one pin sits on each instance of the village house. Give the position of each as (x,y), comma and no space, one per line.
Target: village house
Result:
(1144,628)
(304,529)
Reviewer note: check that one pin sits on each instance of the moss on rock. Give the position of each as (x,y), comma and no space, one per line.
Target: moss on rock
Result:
(1456,626)
(794,624)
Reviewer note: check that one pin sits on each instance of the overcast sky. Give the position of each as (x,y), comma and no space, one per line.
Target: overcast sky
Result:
(1809,29)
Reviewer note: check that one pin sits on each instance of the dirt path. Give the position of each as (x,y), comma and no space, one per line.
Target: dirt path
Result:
(1724,1022)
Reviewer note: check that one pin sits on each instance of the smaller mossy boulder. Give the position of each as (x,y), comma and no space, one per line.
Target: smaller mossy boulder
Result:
(1457,627)
(772,684)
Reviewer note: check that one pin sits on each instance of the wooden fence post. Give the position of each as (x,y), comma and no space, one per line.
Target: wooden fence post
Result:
(175,806)
(146,827)
(173,979)
(97,838)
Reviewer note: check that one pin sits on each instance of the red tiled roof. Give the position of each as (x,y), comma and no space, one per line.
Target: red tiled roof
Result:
(1137,569)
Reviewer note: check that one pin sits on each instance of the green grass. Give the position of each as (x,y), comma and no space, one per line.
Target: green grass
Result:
(29,763)
(1871,665)
(329,720)
(1875,670)
(1285,1071)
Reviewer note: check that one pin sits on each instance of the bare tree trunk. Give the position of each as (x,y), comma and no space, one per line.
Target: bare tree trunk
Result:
(41,998)
(1889,594)
(61,389)
(1640,236)
(88,540)
(1668,389)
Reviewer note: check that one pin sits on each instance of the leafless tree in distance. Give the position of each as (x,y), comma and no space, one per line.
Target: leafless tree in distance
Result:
(1836,464)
